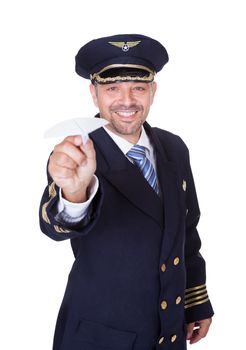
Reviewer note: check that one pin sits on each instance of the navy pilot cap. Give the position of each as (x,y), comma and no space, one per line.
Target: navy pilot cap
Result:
(124,57)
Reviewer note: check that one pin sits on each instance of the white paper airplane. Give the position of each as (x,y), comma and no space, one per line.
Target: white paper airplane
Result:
(76,126)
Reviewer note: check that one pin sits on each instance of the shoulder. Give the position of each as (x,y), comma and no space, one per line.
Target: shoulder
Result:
(169,137)
(173,144)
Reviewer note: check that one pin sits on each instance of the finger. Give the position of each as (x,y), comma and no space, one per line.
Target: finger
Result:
(190,327)
(72,151)
(76,140)
(195,336)
(57,166)
(63,160)
(201,330)
(61,173)
(204,327)
(88,150)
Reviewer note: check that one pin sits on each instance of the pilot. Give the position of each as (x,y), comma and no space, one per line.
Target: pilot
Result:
(126,200)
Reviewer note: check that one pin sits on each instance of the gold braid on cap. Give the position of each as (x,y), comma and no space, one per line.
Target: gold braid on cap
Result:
(149,78)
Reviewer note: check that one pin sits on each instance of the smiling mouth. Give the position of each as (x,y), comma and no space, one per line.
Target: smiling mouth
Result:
(126,114)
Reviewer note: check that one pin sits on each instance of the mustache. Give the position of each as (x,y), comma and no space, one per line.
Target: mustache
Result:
(130,108)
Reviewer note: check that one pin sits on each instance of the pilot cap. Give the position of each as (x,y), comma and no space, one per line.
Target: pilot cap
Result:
(124,57)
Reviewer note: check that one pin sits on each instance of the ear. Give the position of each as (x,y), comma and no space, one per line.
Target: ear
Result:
(93,90)
(153,90)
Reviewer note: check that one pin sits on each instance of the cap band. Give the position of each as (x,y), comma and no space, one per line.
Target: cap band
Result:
(103,80)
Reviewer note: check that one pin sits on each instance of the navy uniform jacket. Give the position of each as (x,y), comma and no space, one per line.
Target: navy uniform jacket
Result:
(138,277)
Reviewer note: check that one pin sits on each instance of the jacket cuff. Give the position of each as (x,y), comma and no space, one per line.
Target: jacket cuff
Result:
(197,304)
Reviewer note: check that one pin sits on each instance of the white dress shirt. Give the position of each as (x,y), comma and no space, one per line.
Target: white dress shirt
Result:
(74,212)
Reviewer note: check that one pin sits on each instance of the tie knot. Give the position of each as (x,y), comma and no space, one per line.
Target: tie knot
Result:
(137,153)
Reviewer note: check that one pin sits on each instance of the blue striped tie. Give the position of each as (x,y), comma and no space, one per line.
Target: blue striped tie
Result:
(137,154)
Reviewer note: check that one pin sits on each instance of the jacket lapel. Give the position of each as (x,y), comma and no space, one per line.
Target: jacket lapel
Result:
(169,184)
(122,174)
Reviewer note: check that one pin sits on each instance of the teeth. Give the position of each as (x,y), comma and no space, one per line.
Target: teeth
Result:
(126,114)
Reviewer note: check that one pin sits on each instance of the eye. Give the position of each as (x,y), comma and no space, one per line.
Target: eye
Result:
(112,88)
(139,88)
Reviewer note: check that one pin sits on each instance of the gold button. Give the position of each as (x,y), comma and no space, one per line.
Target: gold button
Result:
(178,300)
(176,261)
(173,338)
(163,267)
(164,305)
(161,340)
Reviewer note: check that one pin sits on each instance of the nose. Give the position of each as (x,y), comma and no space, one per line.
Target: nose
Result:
(126,97)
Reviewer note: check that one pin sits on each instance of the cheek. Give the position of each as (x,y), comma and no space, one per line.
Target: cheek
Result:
(147,103)
(106,104)
(104,107)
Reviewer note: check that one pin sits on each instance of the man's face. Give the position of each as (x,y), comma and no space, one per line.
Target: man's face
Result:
(125,105)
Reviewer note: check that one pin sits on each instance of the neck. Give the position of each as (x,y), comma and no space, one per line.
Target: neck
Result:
(132,138)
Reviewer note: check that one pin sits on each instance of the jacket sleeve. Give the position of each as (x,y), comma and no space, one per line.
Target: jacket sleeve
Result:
(58,229)
(197,303)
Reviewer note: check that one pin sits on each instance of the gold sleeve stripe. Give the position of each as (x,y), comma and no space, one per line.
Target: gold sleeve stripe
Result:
(195,293)
(44,213)
(196,298)
(52,194)
(196,303)
(52,190)
(60,229)
(195,288)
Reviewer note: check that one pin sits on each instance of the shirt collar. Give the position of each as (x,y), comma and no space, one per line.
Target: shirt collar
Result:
(125,145)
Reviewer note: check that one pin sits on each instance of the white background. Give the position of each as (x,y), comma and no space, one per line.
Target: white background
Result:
(201,97)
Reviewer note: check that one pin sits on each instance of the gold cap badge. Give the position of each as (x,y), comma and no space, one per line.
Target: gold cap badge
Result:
(124,45)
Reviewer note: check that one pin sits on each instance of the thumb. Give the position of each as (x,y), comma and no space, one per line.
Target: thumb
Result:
(88,150)
(190,328)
